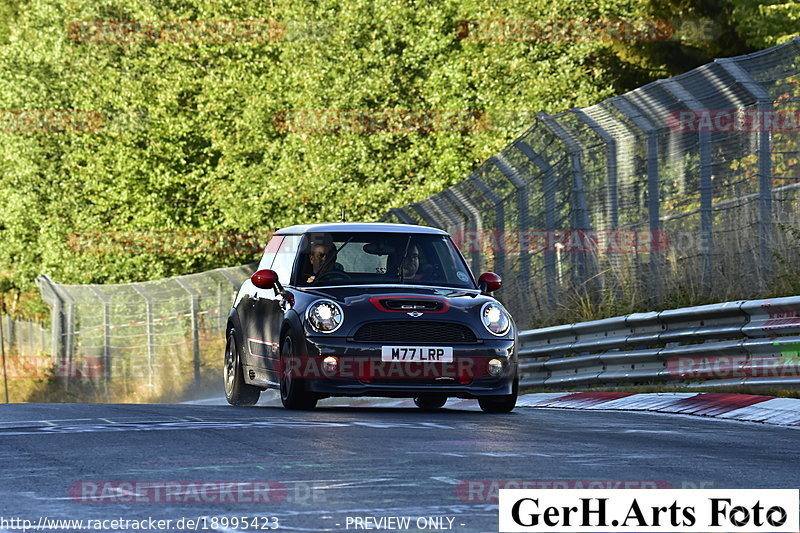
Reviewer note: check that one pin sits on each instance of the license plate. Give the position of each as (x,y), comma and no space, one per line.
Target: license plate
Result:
(422,354)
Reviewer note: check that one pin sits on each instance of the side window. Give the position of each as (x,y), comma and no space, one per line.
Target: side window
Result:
(284,259)
(269,253)
(354,260)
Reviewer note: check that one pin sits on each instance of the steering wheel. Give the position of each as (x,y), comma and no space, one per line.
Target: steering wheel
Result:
(335,274)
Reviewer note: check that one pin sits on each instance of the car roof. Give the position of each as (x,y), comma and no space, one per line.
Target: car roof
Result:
(377,227)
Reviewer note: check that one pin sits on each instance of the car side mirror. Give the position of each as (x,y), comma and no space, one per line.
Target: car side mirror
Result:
(265,279)
(489,282)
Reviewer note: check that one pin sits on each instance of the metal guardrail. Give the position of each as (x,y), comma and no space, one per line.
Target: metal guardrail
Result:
(747,342)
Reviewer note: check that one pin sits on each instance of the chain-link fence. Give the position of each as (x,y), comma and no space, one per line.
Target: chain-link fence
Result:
(682,191)
(154,333)
(25,348)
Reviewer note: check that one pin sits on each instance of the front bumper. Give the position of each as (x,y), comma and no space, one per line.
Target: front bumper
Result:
(361,372)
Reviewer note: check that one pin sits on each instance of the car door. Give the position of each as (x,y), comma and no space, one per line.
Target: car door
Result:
(268,310)
(248,308)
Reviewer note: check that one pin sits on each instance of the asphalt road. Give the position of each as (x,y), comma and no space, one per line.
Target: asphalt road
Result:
(325,469)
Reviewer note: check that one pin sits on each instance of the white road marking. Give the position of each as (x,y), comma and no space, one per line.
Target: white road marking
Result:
(445,479)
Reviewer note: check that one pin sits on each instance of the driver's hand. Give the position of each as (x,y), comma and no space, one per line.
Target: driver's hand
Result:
(310,279)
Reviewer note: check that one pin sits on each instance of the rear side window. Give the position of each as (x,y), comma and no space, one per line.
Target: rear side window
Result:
(284,259)
(270,252)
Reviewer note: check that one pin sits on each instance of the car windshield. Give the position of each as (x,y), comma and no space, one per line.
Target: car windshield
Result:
(369,258)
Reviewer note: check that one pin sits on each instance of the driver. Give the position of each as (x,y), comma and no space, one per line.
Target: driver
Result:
(317,256)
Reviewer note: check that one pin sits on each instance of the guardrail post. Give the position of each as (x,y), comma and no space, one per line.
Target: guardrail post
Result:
(194,301)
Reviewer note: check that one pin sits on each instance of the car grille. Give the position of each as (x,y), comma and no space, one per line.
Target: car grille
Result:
(409,304)
(412,332)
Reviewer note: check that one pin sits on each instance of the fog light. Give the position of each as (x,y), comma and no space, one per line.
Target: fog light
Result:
(495,367)
(330,364)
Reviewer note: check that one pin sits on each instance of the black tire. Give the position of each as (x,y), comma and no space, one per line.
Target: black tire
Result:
(237,392)
(501,404)
(293,392)
(430,402)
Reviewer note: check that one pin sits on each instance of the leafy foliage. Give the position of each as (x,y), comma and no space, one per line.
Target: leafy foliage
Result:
(188,138)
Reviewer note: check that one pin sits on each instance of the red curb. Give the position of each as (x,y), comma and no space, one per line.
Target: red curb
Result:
(589,399)
(712,404)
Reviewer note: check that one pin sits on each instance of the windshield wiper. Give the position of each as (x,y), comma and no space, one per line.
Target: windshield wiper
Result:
(329,259)
(403,260)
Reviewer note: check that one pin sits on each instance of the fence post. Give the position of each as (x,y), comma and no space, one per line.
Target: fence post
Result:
(106,334)
(512,175)
(401,215)
(51,297)
(764,156)
(151,338)
(222,318)
(580,212)
(653,207)
(10,333)
(194,300)
(706,187)
(475,222)
(612,194)
(3,350)
(549,190)
(422,211)
(499,215)
(235,284)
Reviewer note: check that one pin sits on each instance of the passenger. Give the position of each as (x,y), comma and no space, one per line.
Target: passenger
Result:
(410,265)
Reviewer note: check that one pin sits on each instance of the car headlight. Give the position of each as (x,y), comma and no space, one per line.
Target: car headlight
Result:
(495,319)
(324,316)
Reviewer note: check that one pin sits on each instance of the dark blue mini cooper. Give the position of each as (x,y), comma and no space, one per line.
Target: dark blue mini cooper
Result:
(369,310)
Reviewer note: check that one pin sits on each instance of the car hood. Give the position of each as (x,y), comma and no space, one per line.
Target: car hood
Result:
(369,303)
(346,294)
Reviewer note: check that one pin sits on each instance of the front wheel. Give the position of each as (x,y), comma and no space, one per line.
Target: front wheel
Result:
(237,392)
(293,393)
(503,403)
